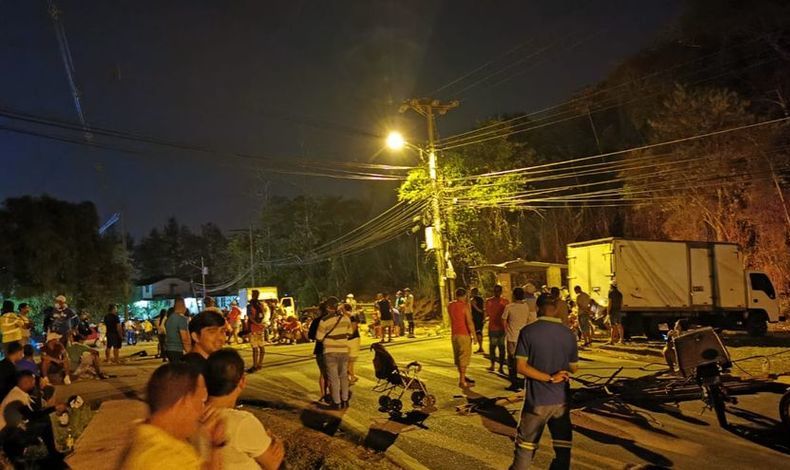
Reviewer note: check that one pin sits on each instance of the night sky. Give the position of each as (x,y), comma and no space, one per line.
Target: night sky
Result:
(307,79)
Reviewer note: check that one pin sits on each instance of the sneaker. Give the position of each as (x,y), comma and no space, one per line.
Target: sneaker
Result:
(67,380)
(344,404)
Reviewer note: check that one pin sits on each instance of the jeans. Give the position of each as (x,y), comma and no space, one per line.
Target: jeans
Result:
(496,342)
(511,363)
(337,373)
(530,427)
(131,337)
(410,322)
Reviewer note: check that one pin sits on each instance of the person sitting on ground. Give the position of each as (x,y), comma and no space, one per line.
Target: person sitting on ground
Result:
(85,360)
(28,362)
(54,360)
(20,446)
(207,331)
(292,329)
(13,354)
(176,395)
(34,413)
(249,445)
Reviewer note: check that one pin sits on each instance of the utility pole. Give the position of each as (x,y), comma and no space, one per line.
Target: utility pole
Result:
(429,109)
(252,261)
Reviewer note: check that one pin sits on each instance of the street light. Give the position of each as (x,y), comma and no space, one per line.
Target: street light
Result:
(395,141)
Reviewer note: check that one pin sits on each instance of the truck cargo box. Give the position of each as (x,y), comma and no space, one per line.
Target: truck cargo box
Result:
(660,275)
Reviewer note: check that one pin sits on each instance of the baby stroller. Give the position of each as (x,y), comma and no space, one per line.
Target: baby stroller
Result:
(392,383)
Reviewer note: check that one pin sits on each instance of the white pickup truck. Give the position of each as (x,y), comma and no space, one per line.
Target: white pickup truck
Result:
(662,281)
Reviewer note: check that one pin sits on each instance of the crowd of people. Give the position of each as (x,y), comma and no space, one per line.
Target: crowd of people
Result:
(538,335)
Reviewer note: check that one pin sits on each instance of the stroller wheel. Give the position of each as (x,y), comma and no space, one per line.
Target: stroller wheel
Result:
(429,401)
(384,401)
(417,397)
(396,405)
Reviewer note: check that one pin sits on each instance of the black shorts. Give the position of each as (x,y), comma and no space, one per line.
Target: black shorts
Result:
(114,341)
(616,318)
(478,319)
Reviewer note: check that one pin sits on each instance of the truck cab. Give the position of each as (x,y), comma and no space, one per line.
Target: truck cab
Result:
(763,306)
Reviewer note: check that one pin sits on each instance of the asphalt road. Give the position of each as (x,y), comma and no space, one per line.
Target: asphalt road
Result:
(611,434)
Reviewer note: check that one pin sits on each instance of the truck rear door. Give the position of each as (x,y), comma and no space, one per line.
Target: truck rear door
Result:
(701,285)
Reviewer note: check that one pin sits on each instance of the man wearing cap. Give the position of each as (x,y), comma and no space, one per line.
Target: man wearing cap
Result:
(54,360)
(60,319)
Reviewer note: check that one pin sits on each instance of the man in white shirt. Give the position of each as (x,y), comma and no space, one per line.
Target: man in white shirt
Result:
(25,383)
(248,444)
(517,315)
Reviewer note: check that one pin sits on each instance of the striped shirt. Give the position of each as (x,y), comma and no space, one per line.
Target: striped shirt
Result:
(334,331)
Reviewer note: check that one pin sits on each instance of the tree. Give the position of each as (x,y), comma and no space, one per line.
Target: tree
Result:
(53,247)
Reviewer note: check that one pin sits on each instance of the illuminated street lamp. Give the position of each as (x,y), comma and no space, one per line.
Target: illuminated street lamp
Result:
(395,141)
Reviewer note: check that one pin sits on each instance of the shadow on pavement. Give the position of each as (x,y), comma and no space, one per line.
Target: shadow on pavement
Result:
(762,430)
(322,420)
(773,340)
(654,458)
(496,418)
(385,432)
(616,409)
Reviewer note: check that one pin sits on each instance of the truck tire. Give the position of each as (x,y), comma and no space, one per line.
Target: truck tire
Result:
(757,323)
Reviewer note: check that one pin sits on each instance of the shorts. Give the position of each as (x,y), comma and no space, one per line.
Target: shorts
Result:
(462,350)
(616,318)
(256,339)
(478,319)
(386,323)
(585,322)
(319,359)
(114,341)
(353,348)
(409,317)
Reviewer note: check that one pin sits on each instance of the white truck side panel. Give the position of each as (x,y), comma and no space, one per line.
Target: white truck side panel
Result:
(731,285)
(590,267)
(652,274)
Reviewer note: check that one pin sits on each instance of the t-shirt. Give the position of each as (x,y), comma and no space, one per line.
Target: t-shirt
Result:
(333,331)
(478,313)
(75,351)
(61,321)
(256,313)
(174,326)
(7,377)
(516,316)
(16,394)
(615,301)
(457,310)
(550,347)
(154,449)
(234,314)
(111,321)
(28,364)
(385,309)
(494,309)
(246,439)
(408,304)
(10,325)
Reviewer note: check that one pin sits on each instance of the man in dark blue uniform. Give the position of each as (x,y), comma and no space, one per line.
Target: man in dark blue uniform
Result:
(546,354)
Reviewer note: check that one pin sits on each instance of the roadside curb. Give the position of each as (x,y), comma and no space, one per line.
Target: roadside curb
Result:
(628,350)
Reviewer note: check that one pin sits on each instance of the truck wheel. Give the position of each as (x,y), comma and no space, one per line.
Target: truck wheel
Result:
(757,323)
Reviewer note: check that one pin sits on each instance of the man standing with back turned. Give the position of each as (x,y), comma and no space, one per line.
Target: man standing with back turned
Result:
(546,355)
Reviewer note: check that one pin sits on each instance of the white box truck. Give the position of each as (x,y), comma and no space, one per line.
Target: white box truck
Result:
(662,281)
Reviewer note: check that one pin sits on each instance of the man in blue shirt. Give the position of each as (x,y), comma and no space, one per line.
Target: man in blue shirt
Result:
(546,354)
